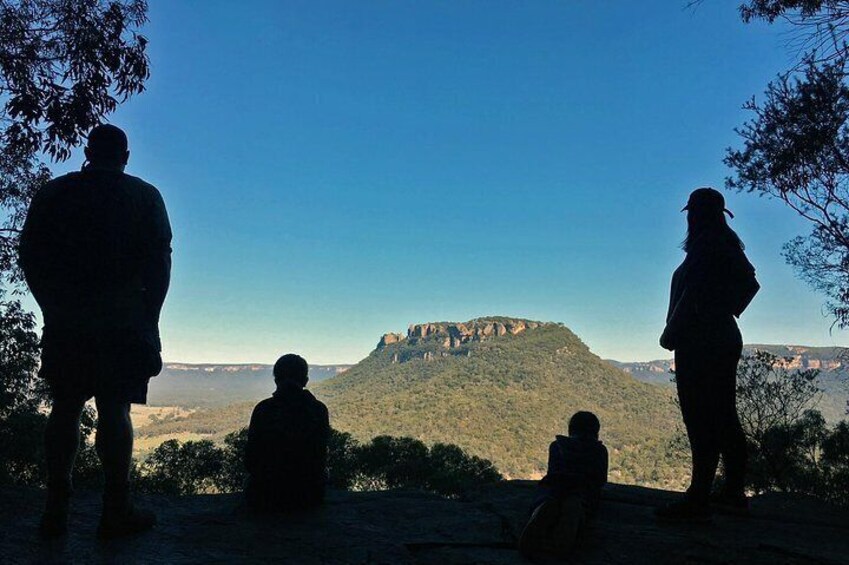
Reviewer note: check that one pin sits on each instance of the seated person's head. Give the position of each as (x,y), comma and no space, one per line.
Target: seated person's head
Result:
(585,425)
(291,370)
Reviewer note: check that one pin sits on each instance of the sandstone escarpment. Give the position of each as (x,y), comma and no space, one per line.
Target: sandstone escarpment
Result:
(452,335)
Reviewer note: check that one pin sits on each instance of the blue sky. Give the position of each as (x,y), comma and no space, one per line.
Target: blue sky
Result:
(337,170)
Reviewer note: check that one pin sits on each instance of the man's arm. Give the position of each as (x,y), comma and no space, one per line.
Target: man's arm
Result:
(31,249)
(156,268)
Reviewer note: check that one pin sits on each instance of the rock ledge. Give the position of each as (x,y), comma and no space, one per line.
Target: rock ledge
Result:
(413,527)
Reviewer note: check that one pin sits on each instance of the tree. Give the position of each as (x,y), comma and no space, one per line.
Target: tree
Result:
(796,149)
(453,471)
(769,394)
(20,420)
(233,473)
(182,468)
(341,460)
(835,463)
(821,26)
(64,66)
(796,145)
(192,467)
(392,462)
(773,403)
(18,356)
(791,448)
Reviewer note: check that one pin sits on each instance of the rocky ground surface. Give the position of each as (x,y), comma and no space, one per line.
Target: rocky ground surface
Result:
(412,527)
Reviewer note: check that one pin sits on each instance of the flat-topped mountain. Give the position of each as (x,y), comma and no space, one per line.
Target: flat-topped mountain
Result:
(501,388)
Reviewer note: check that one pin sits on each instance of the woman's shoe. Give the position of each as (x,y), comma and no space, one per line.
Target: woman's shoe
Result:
(733,504)
(685,510)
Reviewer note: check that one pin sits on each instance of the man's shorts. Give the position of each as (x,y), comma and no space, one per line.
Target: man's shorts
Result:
(113,366)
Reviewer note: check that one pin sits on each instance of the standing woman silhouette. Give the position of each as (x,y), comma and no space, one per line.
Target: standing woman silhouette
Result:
(713,285)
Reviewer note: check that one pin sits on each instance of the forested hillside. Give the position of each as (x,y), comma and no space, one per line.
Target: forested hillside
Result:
(504,398)
(500,389)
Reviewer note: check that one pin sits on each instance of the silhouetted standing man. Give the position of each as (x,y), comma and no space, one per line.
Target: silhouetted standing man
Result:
(711,288)
(96,253)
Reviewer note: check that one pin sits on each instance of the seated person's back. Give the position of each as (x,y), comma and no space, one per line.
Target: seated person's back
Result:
(577,463)
(286,455)
(570,491)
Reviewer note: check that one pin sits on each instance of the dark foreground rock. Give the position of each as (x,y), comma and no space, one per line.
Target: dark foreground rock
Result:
(411,527)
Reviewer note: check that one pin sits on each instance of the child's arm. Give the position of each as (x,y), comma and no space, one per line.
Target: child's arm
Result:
(556,462)
(603,467)
(251,454)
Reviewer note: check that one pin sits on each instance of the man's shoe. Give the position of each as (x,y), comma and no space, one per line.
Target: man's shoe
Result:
(53,525)
(684,511)
(126,521)
(733,504)
(54,521)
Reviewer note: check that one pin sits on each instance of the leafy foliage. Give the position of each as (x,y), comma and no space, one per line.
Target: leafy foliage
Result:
(21,394)
(21,175)
(796,145)
(384,463)
(19,349)
(821,26)
(771,395)
(791,448)
(834,463)
(66,63)
(64,66)
(182,468)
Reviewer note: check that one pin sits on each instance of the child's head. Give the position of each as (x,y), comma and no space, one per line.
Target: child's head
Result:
(291,369)
(584,424)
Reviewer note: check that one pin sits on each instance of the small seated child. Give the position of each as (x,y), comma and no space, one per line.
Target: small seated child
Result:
(286,454)
(571,490)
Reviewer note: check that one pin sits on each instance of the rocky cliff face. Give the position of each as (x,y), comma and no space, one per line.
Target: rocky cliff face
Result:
(800,357)
(792,357)
(452,335)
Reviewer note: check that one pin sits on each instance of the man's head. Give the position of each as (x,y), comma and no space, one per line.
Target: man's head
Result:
(107,147)
(291,369)
(584,424)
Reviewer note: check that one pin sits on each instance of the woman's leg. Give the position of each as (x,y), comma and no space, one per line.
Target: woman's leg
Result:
(731,435)
(696,409)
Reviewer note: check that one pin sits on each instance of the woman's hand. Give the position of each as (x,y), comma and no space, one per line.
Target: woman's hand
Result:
(666,339)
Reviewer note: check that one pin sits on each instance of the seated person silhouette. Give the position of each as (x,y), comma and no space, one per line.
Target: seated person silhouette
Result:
(286,455)
(571,490)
